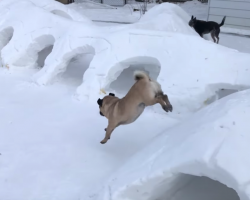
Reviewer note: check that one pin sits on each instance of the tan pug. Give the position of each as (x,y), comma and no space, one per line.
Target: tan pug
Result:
(145,92)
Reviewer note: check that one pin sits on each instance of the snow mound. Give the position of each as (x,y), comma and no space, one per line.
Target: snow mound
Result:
(51,6)
(168,51)
(213,143)
(166,17)
(24,38)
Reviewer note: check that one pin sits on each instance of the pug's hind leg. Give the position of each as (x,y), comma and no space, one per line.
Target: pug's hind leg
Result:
(164,102)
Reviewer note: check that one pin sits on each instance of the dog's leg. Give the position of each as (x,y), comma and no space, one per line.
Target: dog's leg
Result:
(108,130)
(213,35)
(164,102)
(200,34)
(168,104)
(217,39)
(217,32)
(164,105)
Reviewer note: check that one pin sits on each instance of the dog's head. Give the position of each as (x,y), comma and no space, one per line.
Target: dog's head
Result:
(101,103)
(192,21)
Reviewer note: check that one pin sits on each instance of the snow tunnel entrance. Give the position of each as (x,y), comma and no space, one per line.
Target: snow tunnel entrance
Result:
(35,54)
(5,36)
(221,93)
(42,55)
(76,68)
(189,187)
(124,79)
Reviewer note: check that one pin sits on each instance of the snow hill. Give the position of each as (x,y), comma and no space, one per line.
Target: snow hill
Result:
(57,63)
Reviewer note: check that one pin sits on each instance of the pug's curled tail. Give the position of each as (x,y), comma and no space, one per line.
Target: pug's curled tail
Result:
(156,87)
(141,75)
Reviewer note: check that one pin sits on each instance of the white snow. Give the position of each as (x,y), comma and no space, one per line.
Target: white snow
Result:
(198,146)
(55,63)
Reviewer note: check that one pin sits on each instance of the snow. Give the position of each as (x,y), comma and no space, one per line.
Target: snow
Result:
(56,62)
(100,12)
(198,146)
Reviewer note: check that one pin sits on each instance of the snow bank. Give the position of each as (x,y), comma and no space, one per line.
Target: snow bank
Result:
(168,49)
(214,143)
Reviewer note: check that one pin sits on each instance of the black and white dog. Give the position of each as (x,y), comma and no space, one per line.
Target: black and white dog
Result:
(203,27)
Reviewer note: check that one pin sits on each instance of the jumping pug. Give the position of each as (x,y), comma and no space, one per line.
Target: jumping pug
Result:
(145,92)
(203,27)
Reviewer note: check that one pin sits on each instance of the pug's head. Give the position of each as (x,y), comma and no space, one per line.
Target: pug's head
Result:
(101,103)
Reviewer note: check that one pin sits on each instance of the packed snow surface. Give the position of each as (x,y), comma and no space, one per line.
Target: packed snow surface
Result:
(53,56)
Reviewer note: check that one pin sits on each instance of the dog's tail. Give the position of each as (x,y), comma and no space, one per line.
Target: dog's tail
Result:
(222,22)
(141,75)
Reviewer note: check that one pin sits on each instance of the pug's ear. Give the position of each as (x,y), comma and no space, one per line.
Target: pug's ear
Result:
(111,94)
(99,102)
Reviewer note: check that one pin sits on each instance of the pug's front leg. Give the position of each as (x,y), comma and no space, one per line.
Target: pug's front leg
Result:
(108,130)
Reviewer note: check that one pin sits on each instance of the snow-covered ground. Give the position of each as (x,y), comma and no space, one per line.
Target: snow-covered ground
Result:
(50,141)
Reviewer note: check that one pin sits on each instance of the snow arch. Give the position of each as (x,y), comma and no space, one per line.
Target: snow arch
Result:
(60,64)
(76,67)
(120,76)
(5,36)
(180,187)
(61,14)
(187,182)
(36,52)
(215,92)
(189,187)
(43,54)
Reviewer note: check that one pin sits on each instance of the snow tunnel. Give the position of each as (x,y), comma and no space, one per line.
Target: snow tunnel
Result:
(37,52)
(190,187)
(120,77)
(76,67)
(43,54)
(219,91)
(5,36)
(61,14)
(181,187)
(73,65)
